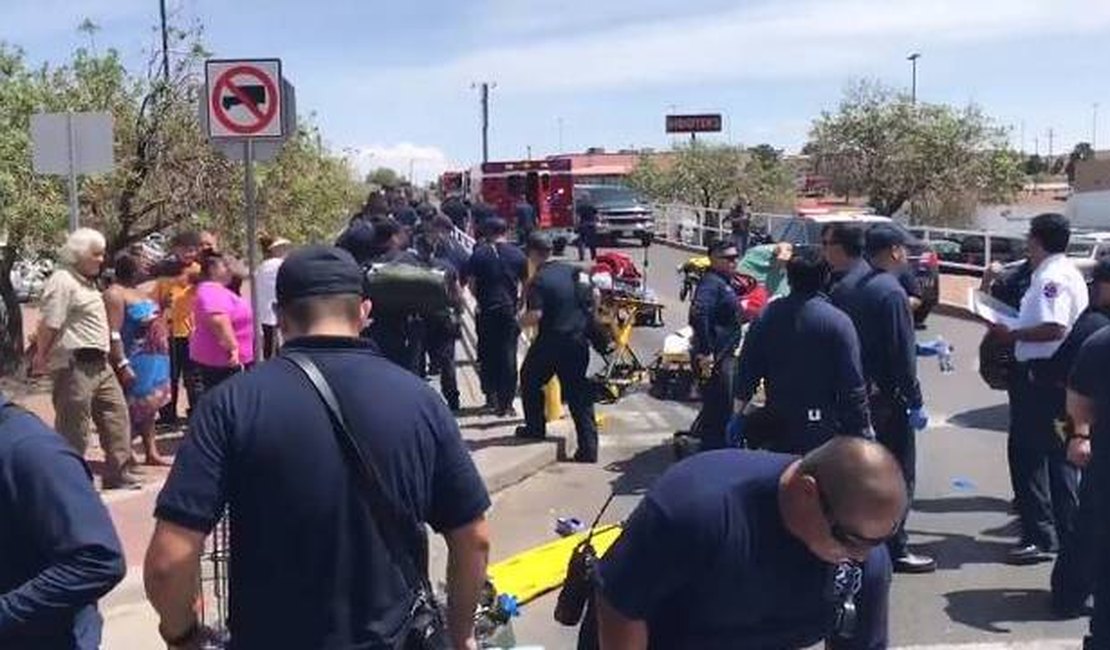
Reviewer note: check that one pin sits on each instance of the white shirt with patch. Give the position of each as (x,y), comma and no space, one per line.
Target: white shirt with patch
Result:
(1057,295)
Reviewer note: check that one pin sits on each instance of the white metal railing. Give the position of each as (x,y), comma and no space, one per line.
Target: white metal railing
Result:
(694,226)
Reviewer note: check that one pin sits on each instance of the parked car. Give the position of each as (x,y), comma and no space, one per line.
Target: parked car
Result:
(621,212)
(805,231)
(1003,249)
(1086,249)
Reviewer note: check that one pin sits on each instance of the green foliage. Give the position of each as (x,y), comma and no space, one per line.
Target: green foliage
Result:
(716,176)
(383,177)
(1082,151)
(881,145)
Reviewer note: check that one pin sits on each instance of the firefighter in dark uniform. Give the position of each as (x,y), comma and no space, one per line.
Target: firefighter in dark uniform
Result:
(1088,406)
(559,303)
(1045,484)
(1074,571)
(456,211)
(715,319)
(494,274)
(808,353)
(525,215)
(587,225)
(880,310)
(444,330)
(399,336)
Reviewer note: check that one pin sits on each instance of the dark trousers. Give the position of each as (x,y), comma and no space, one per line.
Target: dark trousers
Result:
(587,239)
(568,360)
(441,355)
(1045,484)
(212,376)
(399,339)
(270,341)
(1100,618)
(893,431)
(716,404)
(498,333)
(182,369)
(1073,575)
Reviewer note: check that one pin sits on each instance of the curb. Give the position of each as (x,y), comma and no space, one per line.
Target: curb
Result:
(955,311)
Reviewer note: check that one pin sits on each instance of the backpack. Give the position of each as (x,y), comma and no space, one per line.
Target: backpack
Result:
(399,289)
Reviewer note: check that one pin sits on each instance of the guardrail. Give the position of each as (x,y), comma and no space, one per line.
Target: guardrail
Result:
(697,227)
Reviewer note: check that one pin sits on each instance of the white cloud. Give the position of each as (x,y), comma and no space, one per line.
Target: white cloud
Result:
(426,163)
(776,40)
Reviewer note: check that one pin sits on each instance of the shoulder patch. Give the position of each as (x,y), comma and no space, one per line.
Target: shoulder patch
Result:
(1051,290)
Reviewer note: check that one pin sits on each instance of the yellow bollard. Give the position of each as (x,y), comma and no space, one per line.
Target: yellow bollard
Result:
(553,400)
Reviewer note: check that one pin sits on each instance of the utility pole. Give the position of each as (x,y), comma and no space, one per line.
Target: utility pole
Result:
(1023,138)
(1051,137)
(913,85)
(165,45)
(484,89)
(1094,127)
(529,149)
(1037,146)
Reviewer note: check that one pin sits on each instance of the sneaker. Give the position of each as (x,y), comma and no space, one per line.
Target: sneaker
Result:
(1026,554)
(911,563)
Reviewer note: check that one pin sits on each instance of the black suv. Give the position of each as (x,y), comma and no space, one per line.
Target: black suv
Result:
(805,231)
(621,212)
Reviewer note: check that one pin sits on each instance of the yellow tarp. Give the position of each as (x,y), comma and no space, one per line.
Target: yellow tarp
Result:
(535,572)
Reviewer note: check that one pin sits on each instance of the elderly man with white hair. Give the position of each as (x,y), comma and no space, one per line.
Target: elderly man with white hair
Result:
(74,343)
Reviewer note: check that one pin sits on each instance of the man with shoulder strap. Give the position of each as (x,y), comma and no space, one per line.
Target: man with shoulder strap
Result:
(313,564)
(59,552)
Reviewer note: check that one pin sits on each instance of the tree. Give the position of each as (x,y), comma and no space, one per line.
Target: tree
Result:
(383,177)
(1034,165)
(881,145)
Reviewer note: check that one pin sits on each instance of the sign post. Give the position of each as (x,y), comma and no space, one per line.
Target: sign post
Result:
(68,144)
(244,104)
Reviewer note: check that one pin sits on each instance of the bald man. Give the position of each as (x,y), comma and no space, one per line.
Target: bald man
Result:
(743,549)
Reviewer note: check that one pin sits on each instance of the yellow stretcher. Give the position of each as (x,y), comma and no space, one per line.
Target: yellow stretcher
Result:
(535,572)
(623,368)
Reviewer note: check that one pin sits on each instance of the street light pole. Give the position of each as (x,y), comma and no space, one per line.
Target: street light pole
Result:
(913,64)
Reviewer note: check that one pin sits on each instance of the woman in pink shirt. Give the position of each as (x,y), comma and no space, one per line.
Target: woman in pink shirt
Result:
(222,342)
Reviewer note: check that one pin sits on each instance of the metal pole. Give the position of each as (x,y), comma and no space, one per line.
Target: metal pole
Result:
(252,240)
(71,144)
(485,122)
(165,45)
(913,64)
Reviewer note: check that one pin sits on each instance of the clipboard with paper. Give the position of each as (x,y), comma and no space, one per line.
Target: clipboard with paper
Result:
(990,309)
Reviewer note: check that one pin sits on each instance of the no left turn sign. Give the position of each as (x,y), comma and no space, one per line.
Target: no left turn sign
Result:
(244,98)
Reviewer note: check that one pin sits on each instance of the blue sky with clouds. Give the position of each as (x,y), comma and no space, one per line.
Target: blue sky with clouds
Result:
(391,81)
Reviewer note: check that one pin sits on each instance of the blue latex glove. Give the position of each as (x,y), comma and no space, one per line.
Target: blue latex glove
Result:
(734,432)
(919,419)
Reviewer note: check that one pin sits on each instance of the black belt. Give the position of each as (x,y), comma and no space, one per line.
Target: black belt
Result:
(90,355)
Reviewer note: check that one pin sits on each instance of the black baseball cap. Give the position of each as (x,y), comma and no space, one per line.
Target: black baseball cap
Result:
(723,249)
(883,236)
(318,271)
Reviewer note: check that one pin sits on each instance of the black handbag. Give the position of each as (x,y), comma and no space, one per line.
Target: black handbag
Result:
(402,534)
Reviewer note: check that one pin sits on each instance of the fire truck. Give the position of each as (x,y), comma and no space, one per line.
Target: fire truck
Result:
(547,184)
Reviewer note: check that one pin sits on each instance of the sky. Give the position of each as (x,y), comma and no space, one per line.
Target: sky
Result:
(392,83)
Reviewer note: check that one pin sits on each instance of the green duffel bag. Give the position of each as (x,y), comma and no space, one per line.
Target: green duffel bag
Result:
(403,289)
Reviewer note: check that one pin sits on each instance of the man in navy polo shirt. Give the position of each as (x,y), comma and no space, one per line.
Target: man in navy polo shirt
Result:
(310,567)
(742,549)
(58,549)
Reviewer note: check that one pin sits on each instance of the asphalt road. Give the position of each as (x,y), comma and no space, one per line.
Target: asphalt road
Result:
(960,515)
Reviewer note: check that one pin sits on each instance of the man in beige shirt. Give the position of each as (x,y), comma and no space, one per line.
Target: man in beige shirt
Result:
(74,344)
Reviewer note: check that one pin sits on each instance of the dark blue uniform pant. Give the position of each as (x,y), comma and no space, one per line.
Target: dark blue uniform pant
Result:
(1045,484)
(1100,619)
(716,404)
(1073,576)
(399,339)
(498,333)
(567,359)
(893,431)
(441,338)
(587,239)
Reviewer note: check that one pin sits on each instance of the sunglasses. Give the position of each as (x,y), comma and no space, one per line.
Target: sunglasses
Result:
(845,536)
